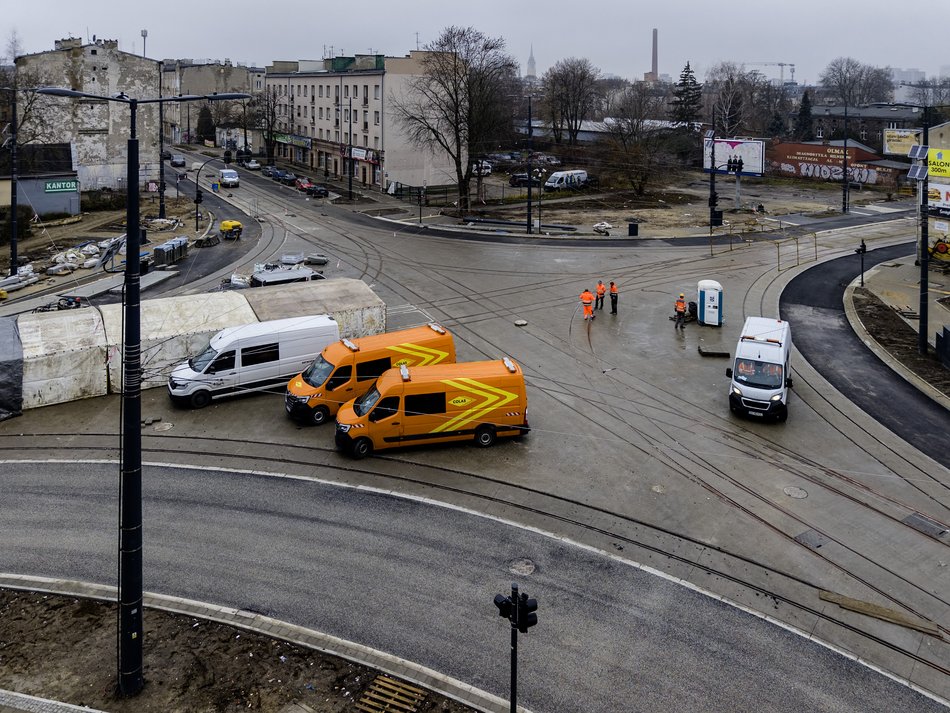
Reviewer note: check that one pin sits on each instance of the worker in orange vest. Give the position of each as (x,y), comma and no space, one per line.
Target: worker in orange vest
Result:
(614,294)
(601,291)
(587,300)
(679,308)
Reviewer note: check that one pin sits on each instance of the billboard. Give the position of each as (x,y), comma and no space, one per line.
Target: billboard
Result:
(938,164)
(899,141)
(751,151)
(938,198)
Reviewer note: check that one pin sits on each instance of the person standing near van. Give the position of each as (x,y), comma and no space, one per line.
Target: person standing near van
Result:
(614,294)
(601,291)
(587,301)
(679,308)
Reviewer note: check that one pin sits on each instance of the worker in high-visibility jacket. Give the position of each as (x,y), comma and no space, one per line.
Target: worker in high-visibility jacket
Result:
(614,295)
(587,302)
(679,309)
(601,291)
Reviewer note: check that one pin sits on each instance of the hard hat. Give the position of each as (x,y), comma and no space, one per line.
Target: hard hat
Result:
(682,295)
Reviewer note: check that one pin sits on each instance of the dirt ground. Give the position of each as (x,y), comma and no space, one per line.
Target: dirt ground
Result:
(64,649)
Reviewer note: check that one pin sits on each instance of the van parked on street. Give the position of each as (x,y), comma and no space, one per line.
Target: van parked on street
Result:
(347,369)
(250,358)
(478,401)
(228,178)
(761,372)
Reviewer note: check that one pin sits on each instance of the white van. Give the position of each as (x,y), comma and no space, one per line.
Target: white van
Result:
(228,178)
(250,358)
(560,180)
(761,373)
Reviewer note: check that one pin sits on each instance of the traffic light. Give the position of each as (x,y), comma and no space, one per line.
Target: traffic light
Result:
(199,196)
(504,605)
(861,249)
(713,199)
(738,164)
(526,616)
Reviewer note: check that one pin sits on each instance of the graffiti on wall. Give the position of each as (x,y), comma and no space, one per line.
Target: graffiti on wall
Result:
(856,174)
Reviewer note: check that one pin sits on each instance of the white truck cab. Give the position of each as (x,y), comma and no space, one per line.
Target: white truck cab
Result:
(761,372)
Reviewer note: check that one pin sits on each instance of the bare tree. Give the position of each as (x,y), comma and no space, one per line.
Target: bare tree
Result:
(263,113)
(636,135)
(854,84)
(932,93)
(610,93)
(571,95)
(31,128)
(727,92)
(459,103)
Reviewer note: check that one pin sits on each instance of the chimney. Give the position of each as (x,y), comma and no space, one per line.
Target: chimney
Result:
(654,69)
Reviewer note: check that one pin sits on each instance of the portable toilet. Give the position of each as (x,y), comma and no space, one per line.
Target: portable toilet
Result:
(710,303)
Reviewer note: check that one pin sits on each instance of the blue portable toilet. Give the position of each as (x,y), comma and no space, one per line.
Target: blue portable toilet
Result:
(710,303)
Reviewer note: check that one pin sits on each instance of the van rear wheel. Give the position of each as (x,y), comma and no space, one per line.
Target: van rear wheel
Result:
(200,399)
(362,447)
(485,436)
(319,415)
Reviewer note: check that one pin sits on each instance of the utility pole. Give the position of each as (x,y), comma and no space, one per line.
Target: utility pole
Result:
(844,159)
(161,144)
(349,151)
(13,183)
(530,173)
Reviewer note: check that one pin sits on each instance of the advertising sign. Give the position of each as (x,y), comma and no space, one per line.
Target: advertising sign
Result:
(899,141)
(67,186)
(938,198)
(750,151)
(938,164)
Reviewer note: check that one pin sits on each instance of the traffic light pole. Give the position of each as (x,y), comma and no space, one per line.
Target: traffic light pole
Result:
(514,649)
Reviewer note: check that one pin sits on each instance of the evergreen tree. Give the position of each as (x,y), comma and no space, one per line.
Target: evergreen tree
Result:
(205,128)
(686,105)
(804,126)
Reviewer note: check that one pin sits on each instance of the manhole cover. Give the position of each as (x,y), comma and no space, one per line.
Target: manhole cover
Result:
(163,426)
(521,566)
(797,493)
(658,489)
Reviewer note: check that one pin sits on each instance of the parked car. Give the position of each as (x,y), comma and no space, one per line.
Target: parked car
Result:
(287,178)
(178,161)
(522,180)
(166,155)
(481,168)
(252,165)
(268,171)
(302,183)
(318,191)
(277,174)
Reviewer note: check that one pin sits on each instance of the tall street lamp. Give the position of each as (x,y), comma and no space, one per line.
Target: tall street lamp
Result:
(13,179)
(130,633)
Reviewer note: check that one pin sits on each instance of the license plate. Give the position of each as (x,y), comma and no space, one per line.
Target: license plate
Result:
(756,413)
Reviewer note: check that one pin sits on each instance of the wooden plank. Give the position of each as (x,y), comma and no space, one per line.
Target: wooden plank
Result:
(879,612)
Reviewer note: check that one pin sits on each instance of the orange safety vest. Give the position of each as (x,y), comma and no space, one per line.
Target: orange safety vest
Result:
(680,306)
(613,289)
(587,298)
(601,289)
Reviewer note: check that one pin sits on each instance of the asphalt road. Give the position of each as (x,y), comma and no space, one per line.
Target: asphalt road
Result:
(417,580)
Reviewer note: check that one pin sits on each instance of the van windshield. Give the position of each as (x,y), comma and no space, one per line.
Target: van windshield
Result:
(759,374)
(199,362)
(316,374)
(364,404)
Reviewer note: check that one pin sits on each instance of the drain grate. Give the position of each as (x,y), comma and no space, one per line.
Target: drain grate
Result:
(812,539)
(925,525)
(389,694)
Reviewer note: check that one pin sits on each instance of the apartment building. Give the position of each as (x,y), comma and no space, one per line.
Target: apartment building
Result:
(97,129)
(335,118)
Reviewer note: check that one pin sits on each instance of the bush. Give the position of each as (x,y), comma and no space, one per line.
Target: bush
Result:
(24,214)
(92,201)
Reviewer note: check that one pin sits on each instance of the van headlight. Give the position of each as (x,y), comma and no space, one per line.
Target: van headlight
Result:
(735,390)
(777,397)
(343,427)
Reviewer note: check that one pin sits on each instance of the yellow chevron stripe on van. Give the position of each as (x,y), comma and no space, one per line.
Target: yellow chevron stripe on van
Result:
(425,355)
(491,398)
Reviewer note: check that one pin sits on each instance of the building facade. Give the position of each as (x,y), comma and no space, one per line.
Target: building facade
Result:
(335,118)
(97,129)
(865,123)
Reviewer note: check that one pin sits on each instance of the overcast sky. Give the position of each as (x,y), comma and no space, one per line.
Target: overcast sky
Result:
(615,35)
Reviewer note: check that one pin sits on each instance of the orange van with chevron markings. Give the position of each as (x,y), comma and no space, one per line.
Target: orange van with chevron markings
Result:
(478,401)
(346,369)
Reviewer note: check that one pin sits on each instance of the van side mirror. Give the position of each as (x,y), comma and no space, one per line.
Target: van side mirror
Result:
(210,369)
(729,371)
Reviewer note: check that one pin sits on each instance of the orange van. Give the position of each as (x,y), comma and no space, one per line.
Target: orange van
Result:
(477,401)
(346,369)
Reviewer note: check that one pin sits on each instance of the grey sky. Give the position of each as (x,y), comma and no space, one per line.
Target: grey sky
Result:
(614,35)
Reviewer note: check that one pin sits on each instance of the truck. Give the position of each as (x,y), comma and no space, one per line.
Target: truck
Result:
(561,180)
(760,376)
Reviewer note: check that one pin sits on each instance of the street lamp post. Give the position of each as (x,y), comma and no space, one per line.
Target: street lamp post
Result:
(530,151)
(130,632)
(13,180)
(349,150)
(846,183)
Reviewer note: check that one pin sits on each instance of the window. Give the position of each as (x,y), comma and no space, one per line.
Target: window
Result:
(375,91)
(365,92)
(224,362)
(376,118)
(356,91)
(365,141)
(385,409)
(423,404)
(376,142)
(321,91)
(864,134)
(369,370)
(346,91)
(340,377)
(820,132)
(261,354)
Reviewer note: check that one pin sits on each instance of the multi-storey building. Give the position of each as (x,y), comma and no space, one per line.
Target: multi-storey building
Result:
(97,129)
(332,110)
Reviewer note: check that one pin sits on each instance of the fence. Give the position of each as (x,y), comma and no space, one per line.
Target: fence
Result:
(791,249)
(431,195)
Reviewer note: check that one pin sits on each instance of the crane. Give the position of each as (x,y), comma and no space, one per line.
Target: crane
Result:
(781,66)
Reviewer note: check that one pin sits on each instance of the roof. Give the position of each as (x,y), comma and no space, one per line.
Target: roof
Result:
(288,324)
(891,112)
(443,372)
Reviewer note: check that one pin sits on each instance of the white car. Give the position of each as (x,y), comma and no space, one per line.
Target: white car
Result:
(252,165)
